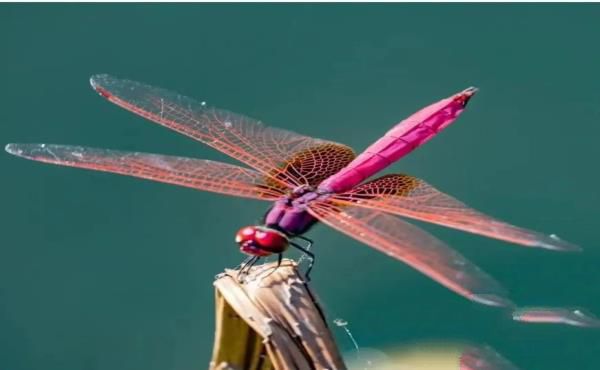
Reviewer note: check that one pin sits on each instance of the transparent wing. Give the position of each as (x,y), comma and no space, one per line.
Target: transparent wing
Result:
(192,173)
(274,152)
(415,247)
(483,358)
(557,315)
(411,197)
(313,165)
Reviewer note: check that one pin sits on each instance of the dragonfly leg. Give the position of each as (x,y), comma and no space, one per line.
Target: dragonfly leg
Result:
(244,262)
(247,265)
(308,245)
(279,259)
(309,241)
(310,255)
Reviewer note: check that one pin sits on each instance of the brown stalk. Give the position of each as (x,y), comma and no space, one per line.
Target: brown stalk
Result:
(270,320)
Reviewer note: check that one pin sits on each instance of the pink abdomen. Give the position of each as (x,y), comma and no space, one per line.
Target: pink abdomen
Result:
(399,141)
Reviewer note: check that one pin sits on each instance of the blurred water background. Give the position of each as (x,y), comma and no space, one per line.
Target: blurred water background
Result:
(105,272)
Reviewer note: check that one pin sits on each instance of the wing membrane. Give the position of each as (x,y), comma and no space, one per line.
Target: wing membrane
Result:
(193,173)
(266,149)
(415,247)
(411,197)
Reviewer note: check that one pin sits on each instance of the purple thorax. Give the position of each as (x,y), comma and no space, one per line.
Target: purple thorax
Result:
(290,214)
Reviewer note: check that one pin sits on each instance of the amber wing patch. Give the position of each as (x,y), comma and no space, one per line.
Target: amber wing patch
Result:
(312,165)
(393,185)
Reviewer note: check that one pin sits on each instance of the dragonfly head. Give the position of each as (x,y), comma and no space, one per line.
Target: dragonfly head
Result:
(261,240)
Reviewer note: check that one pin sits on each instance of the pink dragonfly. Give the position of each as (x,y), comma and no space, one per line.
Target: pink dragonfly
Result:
(309,180)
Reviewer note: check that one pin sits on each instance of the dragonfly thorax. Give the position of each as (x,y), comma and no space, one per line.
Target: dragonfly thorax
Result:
(301,190)
(261,240)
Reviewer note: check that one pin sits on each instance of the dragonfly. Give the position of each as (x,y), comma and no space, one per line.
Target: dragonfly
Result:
(309,180)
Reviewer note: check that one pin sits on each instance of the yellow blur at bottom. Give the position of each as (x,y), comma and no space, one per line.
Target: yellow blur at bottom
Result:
(428,356)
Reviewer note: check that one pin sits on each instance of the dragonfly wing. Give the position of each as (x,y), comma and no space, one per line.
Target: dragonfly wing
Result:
(193,173)
(483,358)
(314,164)
(409,196)
(269,150)
(415,247)
(557,315)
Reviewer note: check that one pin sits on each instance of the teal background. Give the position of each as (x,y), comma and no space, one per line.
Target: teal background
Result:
(99,271)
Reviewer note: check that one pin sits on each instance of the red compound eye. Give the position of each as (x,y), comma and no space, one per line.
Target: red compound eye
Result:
(245,234)
(271,240)
(261,241)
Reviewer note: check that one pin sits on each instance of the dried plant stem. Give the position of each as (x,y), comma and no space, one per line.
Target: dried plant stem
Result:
(270,320)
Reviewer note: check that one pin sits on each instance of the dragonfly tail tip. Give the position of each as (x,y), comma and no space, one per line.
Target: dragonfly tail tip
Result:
(464,96)
(470,91)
